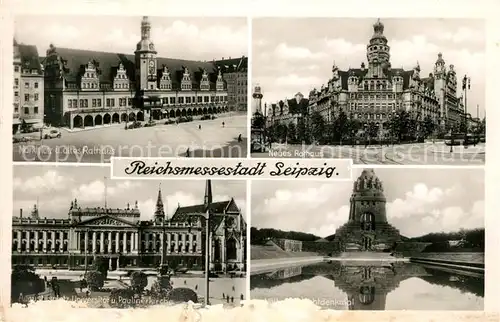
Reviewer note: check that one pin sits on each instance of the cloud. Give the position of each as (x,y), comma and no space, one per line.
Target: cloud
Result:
(281,63)
(50,180)
(96,190)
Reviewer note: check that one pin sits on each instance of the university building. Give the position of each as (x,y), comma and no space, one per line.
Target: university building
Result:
(125,241)
(28,87)
(372,93)
(235,74)
(86,88)
(367,228)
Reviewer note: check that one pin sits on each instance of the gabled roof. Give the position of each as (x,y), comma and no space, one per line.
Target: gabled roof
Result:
(107,64)
(106,220)
(183,213)
(233,65)
(29,57)
(361,73)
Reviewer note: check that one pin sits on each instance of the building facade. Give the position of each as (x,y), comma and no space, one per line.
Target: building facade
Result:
(87,88)
(288,111)
(28,88)
(235,74)
(125,241)
(367,228)
(289,245)
(375,92)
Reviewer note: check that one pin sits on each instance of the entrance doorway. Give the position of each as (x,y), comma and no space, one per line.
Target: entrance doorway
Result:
(367,243)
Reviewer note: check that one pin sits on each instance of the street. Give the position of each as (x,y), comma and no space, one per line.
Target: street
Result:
(404,154)
(97,145)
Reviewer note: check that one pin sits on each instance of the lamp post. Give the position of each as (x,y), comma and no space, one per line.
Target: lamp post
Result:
(465,87)
(207,255)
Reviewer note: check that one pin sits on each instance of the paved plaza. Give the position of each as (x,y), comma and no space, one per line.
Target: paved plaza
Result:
(410,154)
(99,144)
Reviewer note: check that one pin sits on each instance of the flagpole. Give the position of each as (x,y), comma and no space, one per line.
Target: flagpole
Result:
(207,258)
(105,192)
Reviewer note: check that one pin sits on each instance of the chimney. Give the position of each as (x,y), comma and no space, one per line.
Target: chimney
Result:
(21,213)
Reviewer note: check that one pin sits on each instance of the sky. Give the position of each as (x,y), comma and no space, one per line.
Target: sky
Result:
(56,186)
(201,38)
(291,55)
(419,201)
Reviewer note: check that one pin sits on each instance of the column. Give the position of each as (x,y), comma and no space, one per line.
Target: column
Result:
(110,248)
(44,240)
(36,240)
(124,240)
(190,243)
(183,238)
(53,240)
(168,242)
(19,240)
(154,242)
(109,261)
(61,241)
(101,236)
(147,241)
(28,241)
(136,241)
(117,241)
(86,249)
(94,241)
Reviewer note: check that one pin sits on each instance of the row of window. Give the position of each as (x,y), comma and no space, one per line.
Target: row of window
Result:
(26,84)
(27,97)
(27,109)
(17,69)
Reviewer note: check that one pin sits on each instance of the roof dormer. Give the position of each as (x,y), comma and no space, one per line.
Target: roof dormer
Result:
(165,80)
(204,83)
(89,78)
(220,82)
(186,83)
(121,81)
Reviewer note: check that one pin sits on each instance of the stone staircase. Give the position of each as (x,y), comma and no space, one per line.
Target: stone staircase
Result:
(366,255)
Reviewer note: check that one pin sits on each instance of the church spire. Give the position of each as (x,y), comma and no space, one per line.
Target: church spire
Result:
(208,193)
(159,212)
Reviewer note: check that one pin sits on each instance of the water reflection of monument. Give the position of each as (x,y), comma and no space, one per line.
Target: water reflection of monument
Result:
(367,228)
(285,273)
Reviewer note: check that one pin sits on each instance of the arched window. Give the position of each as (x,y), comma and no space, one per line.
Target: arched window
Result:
(231,249)
(367,221)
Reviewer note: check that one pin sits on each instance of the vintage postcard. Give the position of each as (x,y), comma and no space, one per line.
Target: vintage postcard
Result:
(379,91)
(79,236)
(147,87)
(392,239)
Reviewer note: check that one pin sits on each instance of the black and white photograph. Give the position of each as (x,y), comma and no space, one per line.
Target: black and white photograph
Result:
(392,239)
(395,91)
(90,87)
(107,243)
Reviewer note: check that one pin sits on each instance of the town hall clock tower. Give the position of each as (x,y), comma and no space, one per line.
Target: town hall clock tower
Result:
(145,59)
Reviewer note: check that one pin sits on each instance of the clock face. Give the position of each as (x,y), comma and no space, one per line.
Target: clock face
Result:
(151,70)
(231,222)
(151,46)
(151,63)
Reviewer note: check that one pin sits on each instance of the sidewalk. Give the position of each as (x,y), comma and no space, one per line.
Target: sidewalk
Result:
(458,149)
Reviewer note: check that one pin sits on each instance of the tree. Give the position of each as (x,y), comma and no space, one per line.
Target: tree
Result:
(429,126)
(372,130)
(291,132)
(399,124)
(122,298)
(138,282)
(318,126)
(25,281)
(341,125)
(101,266)
(95,280)
(182,295)
(258,121)
(160,293)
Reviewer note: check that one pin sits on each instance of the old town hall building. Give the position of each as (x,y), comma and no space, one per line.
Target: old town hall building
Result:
(125,241)
(87,88)
(372,93)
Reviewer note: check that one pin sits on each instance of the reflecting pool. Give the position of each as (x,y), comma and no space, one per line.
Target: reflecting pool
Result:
(373,286)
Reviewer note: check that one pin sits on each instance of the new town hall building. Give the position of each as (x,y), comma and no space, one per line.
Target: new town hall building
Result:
(84,88)
(374,92)
(126,241)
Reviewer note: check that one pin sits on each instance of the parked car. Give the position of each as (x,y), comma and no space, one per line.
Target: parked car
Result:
(51,133)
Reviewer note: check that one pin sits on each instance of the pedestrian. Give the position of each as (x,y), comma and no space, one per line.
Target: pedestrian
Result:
(223,124)
(241,297)
(185,282)
(223,295)
(199,127)
(232,299)
(187,153)
(239,138)
(196,287)
(233,288)
(227,299)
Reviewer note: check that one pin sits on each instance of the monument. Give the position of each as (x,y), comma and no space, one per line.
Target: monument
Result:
(367,228)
